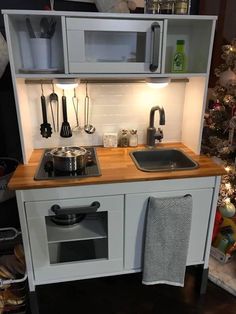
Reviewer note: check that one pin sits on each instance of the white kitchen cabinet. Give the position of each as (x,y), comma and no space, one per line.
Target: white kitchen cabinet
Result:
(115,230)
(93,246)
(135,215)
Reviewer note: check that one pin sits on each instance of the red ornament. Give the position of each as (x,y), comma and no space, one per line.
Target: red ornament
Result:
(217,105)
(218,222)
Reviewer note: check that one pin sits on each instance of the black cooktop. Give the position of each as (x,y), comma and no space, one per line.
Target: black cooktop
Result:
(46,171)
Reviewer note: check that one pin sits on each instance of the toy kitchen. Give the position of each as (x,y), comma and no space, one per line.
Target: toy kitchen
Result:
(79,79)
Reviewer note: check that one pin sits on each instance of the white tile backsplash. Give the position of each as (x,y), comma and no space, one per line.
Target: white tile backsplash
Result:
(113,107)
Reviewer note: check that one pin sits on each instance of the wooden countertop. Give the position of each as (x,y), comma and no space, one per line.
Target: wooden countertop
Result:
(116,166)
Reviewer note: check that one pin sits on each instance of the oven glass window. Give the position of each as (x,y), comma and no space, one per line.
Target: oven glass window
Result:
(101,46)
(77,238)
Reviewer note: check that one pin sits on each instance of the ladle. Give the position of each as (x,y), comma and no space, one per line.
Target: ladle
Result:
(88,128)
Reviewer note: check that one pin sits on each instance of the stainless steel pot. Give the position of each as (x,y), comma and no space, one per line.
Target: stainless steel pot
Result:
(69,158)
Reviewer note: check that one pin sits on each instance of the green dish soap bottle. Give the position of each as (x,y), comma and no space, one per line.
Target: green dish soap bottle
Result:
(179,59)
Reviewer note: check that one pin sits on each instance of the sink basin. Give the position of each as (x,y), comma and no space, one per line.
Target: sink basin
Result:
(162,160)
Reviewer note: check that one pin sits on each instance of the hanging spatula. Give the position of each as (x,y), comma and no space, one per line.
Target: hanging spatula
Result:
(65,127)
(45,127)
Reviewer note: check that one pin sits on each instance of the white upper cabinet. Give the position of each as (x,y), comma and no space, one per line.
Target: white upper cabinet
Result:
(96,44)
(114,45)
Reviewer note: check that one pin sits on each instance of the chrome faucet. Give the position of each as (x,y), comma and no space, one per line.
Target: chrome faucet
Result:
(152,133)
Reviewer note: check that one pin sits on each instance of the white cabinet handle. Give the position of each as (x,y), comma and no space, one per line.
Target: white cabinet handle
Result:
(155,46)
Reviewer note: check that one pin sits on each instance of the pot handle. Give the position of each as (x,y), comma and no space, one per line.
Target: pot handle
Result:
(75,210)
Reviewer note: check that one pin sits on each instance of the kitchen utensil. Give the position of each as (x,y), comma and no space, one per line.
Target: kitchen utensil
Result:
(65,127)
(47,27)
(75,102)
(69,158)
(89,128)
(52,28)
(45,127)
(44,27)
(30,28)
(54,105)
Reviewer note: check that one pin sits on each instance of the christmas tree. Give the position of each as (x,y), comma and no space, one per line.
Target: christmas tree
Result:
(219,140)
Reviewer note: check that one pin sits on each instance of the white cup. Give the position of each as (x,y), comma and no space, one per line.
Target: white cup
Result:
(41,53)
(25,49)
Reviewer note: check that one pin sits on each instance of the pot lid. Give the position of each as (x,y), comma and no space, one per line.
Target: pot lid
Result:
(68,151)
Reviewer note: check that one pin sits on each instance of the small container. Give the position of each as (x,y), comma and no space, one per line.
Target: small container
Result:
(166,7)
(124,138)
(133,138)
(110,139)
(152,6)
(179,59)
(181,7)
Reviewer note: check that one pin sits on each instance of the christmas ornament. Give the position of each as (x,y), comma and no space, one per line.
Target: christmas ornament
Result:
(227,76)
(228,210)
(217,105)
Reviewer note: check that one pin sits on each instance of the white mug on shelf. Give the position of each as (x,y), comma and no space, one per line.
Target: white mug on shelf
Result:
(41,52)
(25,49)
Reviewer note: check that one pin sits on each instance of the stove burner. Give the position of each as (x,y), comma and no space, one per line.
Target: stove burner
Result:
(46,170)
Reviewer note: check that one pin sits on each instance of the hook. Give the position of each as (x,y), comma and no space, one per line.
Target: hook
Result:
(86,88)
(42,88)
(53,88)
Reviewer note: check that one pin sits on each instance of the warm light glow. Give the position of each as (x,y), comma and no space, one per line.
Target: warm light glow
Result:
(157,85)
(157,82)
(66,84)
(228,186)
(228,168)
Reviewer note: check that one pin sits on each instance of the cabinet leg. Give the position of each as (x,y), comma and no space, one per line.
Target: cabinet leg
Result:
(33,300)
(202,279)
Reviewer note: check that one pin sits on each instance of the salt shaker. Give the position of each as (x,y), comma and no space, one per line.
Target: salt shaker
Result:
(124,138)
(133,138)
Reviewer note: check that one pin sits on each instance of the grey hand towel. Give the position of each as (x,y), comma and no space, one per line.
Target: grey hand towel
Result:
(166,240)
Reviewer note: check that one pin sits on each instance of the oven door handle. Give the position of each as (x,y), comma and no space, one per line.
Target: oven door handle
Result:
(75,210)
(155,27)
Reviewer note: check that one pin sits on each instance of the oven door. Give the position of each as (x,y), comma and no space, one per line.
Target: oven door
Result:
(68,249)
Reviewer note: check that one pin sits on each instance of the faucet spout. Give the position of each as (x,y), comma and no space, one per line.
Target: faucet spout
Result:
(161,113)
(152,134)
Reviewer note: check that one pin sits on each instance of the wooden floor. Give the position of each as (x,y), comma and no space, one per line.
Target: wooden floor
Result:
(126,295)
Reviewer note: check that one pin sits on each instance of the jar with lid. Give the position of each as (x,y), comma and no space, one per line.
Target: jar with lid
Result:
(167,6)
(133,138)
(181,7)
(152,6)
(124,138)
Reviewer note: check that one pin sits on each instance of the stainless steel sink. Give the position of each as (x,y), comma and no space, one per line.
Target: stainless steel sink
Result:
(152,160)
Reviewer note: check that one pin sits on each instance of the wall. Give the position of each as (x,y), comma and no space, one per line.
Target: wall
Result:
(113,107)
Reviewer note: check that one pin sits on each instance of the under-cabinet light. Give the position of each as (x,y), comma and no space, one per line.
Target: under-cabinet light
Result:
(157,82)
(67,84)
